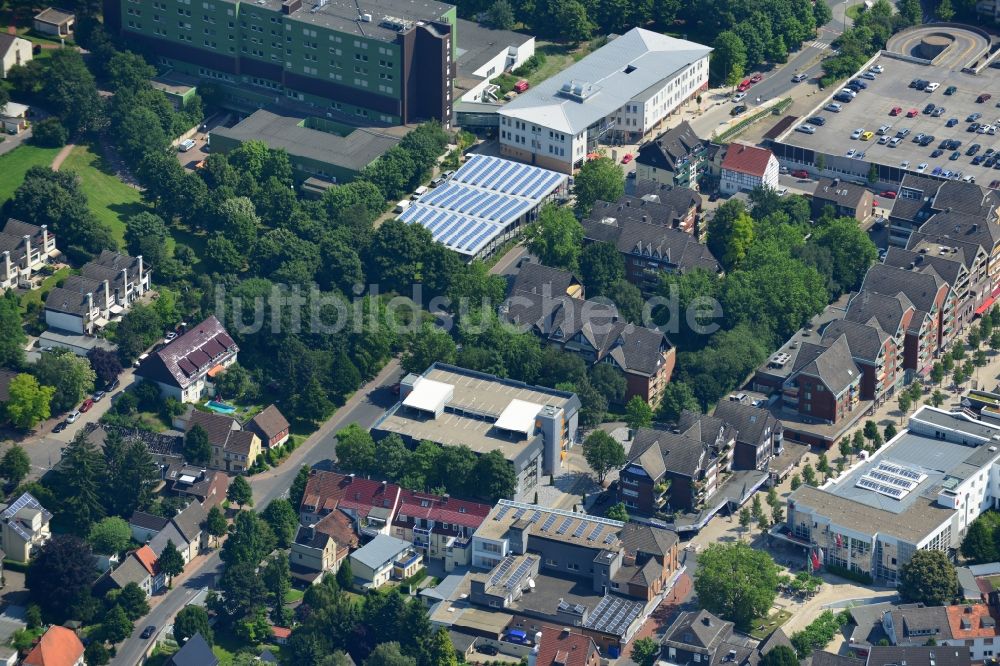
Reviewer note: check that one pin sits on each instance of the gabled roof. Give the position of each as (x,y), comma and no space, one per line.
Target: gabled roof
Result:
(109,266)
(190,356)
(834,366)
(743,158)
(269,423)
(147,558)
(700,629)
(327,491)
(189,521)
(977,227)
(241,442)
(921,288)
(335,525)
(66,301)
(593,88)
(641,538)
(12,515)
(196,652)
(865,342)
(380,550)
(840,193)
(683,450)
(750,422)
(148,521)
(666,150)
(130,571)
(415,504)
(539,279)
(891,312)
(218,426)
(949,266)
(169,533)
(563,647)
(58,646)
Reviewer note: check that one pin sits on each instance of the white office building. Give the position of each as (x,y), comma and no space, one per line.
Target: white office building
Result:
(620,93)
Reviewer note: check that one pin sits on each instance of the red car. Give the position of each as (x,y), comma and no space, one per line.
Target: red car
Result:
(627,158)
(984,97)
(756,78)
(896,110)
(744,85)
(888,194)
(875,203)
(801,173)
(912,113)
(521,86)
(87,404)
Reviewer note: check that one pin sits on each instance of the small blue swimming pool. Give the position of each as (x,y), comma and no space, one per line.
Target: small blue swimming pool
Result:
(220,407)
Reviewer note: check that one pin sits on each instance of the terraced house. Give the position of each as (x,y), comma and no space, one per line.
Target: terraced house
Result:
(384,61)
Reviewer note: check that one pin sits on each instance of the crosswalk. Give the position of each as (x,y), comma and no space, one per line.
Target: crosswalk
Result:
(819,45)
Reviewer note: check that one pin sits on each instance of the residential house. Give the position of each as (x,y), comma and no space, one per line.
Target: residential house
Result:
(25,527)
(745,168)
(55,22)
(874,352)
(322,547)
(673,158)
(195,652)
(564,647)
(920,197)
(281,635)
(846,199)
(923,655)
(759,435)
(382,559)
(24,250)
(139,567)
(699,637)
(971,627)
(233,449)
(183,368)
(184,530)
(676,468)
(130,277)
(14,117)
(271,426)
(933,323)
(207,487)
(591,329)
(370,504)
(440,528)
(145,526)
(649,247)
(58,646)
(14,51)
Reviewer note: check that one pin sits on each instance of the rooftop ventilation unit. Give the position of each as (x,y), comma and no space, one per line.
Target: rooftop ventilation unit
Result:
(396,23)
(577,90)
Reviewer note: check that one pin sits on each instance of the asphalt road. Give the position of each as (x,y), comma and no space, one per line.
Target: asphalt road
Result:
(364,407)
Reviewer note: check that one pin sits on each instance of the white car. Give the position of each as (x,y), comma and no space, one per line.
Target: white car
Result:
(186,145)
(851,152)
(800,77)
(922,167)
(833,107)
(877,69)
(894,141)
(856,134)
(848,91)
(169,337)
(806,129)
(782,191)
(72,416)
(931,87)
(905,164)
(739,97)
(883,140)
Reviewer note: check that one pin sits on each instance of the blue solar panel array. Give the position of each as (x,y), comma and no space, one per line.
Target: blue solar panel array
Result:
(480,202)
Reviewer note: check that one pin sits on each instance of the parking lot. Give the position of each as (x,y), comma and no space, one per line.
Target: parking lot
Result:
(872,108)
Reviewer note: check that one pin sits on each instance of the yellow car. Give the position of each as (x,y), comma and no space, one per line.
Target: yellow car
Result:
(867,136)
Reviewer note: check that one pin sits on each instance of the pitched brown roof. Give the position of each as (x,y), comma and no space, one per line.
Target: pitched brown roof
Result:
(562,647)
(190,356)
(240,442)
(269,423)
(219,428)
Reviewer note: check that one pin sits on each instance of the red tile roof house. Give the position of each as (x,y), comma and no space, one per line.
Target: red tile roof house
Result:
(746,168)
(281,634)
(439,527)
(371,504)
(562,647)
(58,646)
(183,368)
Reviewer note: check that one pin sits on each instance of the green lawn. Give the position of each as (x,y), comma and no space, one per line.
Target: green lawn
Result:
(48,284)
(770,623)
(293,595)
(854,11)
(15,164)
(111,200)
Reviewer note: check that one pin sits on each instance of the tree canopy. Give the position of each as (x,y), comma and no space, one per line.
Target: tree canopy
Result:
(736,582)
(929,577)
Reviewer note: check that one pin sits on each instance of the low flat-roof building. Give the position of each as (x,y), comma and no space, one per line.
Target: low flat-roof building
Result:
(483,54)
(52,21)
(315,146)
(451,406)
(621,91)
(484,204)
(920,491)
(382,559)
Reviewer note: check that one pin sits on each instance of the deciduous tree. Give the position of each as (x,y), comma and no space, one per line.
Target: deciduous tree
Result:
(736,582)
(929,577)
(197,449)
(603,453)
(239,492)
(556,237)
(599,179)
(15,465)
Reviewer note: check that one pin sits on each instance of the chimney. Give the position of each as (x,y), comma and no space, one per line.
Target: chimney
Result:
(107,294)
(90,303)
(6,264)
(124,286)
(533,655)
(139,277)
(311,531)
(27,251)
(707,621)
(45,237)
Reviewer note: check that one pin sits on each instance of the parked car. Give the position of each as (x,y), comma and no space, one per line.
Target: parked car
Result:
(922,167)
(487,649)
(860,83)
(800,77)
(98,396)
(994,184)
(951,122)
(186,145)
(739,97)
(869,75)
(138,361)
(521,86)
(882,140)
(938,112)
(744,85)
(833,107)
(73,417)
(87,404)
(756,78)
(59,427)
(894,141)
(851,152)
(627,158)
(888,194)
(954,156)
(911,113)
(112,385)
(937,152)
(806,129)
(929,108)
(896,110)
(931,87)
(973,149)
(867,136)
(817,120)
(170,336)
(950,90)
(877,69)
(800,173)
(737,110)
(856,134)
(983,98)
(901,134)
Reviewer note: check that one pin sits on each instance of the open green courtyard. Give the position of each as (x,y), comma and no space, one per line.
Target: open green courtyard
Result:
(15,164)
(111,200)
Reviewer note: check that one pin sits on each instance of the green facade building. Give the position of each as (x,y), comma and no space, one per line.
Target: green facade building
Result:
(371,61)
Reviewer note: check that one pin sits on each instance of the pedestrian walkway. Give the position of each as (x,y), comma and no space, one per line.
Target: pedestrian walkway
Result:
(62,155)
(819,45)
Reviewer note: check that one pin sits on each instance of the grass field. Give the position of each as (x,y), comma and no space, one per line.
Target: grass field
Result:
(769,624)
(111,200)
(48,284)
(15,164)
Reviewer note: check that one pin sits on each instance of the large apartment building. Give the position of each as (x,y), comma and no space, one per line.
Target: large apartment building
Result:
(622,91)
(382,61)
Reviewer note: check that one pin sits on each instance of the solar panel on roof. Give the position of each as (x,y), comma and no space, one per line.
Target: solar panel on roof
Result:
(534,518)
(610,538)
(474,243)
(594,532)
(578,532)
(502,568)
(517,184)
(548,522)
(519,574)
(519,513)
(564,526)
(502,512)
